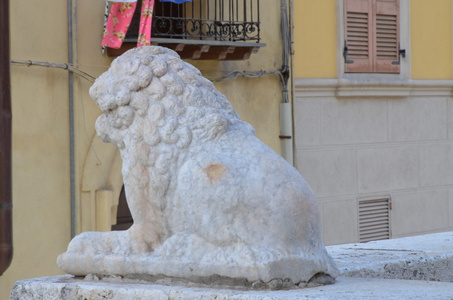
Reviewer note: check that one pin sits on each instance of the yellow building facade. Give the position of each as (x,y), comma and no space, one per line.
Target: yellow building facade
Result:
(64,185)
(375,147)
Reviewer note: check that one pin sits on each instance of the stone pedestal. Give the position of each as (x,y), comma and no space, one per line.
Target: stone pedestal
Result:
(68,288)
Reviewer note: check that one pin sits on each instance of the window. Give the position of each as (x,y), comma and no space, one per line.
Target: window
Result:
(371,30)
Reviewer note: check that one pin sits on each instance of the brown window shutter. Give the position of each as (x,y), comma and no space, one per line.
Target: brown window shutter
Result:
(387,36)
(358,35)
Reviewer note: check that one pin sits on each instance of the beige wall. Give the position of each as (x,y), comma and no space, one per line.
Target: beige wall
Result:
(382,145)
(40,142)
(41,184)
(315,39)
(431,33)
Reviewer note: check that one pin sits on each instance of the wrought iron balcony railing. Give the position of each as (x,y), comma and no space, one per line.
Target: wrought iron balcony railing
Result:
(203,29)
(219,20)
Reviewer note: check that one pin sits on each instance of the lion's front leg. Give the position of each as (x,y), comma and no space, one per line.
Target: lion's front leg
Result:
(86,252)
(148,231)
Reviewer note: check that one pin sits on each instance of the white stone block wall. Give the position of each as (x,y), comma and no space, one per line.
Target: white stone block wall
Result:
(357,140)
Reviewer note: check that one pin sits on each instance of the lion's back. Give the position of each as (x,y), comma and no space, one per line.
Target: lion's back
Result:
(240,189)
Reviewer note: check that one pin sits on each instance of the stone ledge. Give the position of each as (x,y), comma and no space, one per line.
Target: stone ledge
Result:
(363,88)
(66,287)
(424,257)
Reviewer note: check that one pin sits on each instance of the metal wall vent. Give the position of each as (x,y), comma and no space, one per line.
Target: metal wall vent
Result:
(374,219)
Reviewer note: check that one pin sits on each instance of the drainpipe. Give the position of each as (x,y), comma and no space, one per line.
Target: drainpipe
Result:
(6,206)
(291,76)
(71,116)
(286,132)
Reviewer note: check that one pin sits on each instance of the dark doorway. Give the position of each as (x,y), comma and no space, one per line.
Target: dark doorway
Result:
(123,214)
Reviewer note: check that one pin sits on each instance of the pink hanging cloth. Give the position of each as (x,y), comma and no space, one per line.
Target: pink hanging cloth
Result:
(120,18)
(146,18)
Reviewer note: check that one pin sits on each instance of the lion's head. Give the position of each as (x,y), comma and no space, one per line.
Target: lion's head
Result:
(163,99)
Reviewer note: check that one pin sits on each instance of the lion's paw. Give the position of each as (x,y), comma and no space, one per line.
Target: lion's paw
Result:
(114,242)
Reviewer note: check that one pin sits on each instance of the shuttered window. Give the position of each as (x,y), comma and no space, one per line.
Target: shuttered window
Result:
(371,36)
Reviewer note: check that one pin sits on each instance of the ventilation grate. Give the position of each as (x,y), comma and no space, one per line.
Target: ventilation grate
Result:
(374,219)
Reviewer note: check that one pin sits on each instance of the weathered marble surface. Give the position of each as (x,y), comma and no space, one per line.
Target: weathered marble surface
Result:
(207,196)
(66,288)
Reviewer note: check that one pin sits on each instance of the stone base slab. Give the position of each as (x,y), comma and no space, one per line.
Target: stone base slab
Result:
(382,266)
(67,287)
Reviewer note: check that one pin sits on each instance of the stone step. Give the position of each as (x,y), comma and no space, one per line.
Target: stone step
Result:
(424,257)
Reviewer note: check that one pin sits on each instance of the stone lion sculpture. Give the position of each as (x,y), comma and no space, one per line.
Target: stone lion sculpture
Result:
(208,198)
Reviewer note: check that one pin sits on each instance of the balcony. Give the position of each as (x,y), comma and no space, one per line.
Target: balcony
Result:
(202,29)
